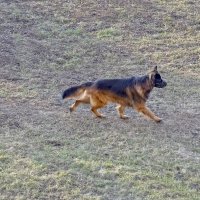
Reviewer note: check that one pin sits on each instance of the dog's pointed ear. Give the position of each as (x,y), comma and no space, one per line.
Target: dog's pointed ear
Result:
(155,69)
(152,73)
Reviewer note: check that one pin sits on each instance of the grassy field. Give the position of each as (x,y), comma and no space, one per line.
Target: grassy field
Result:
(48,153)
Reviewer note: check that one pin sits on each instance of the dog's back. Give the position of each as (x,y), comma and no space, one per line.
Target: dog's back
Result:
(116,86)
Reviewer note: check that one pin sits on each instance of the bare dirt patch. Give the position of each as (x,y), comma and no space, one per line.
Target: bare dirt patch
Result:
(48,153)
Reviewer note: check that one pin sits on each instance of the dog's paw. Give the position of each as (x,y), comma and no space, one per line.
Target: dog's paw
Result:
(101,116)
(124,117)
(71,109)
(158,120)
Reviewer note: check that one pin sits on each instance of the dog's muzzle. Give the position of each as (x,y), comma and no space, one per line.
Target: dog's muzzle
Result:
(160,84)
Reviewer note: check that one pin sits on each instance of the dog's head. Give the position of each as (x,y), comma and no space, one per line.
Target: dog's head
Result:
(156,78)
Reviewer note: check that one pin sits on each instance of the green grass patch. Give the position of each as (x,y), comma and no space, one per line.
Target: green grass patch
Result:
(108,33)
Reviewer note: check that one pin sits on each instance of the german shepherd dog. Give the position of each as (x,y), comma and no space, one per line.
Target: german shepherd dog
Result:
(131,92)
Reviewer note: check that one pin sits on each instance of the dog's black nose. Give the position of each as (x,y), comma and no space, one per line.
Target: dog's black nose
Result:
(164,83)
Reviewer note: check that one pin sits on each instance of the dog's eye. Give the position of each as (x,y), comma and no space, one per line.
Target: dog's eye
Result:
(157,76)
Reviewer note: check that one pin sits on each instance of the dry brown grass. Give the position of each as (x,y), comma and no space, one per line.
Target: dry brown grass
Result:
(48,153)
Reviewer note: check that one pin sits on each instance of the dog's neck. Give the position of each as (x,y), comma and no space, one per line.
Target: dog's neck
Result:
(144,87)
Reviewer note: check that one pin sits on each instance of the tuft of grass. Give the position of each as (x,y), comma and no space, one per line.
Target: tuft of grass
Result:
(108,33)
(72,32)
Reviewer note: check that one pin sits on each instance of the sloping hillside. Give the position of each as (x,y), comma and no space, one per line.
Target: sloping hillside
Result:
(48,153)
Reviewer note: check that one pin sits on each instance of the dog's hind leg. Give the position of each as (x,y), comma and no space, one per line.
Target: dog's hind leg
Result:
(96,103)
(77,103)
(85,99)
(147,112)
(120,108)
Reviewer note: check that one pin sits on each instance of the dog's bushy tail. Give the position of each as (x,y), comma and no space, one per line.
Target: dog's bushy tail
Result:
(74,91)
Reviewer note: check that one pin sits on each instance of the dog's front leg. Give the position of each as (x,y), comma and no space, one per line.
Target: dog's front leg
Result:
(147,112)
